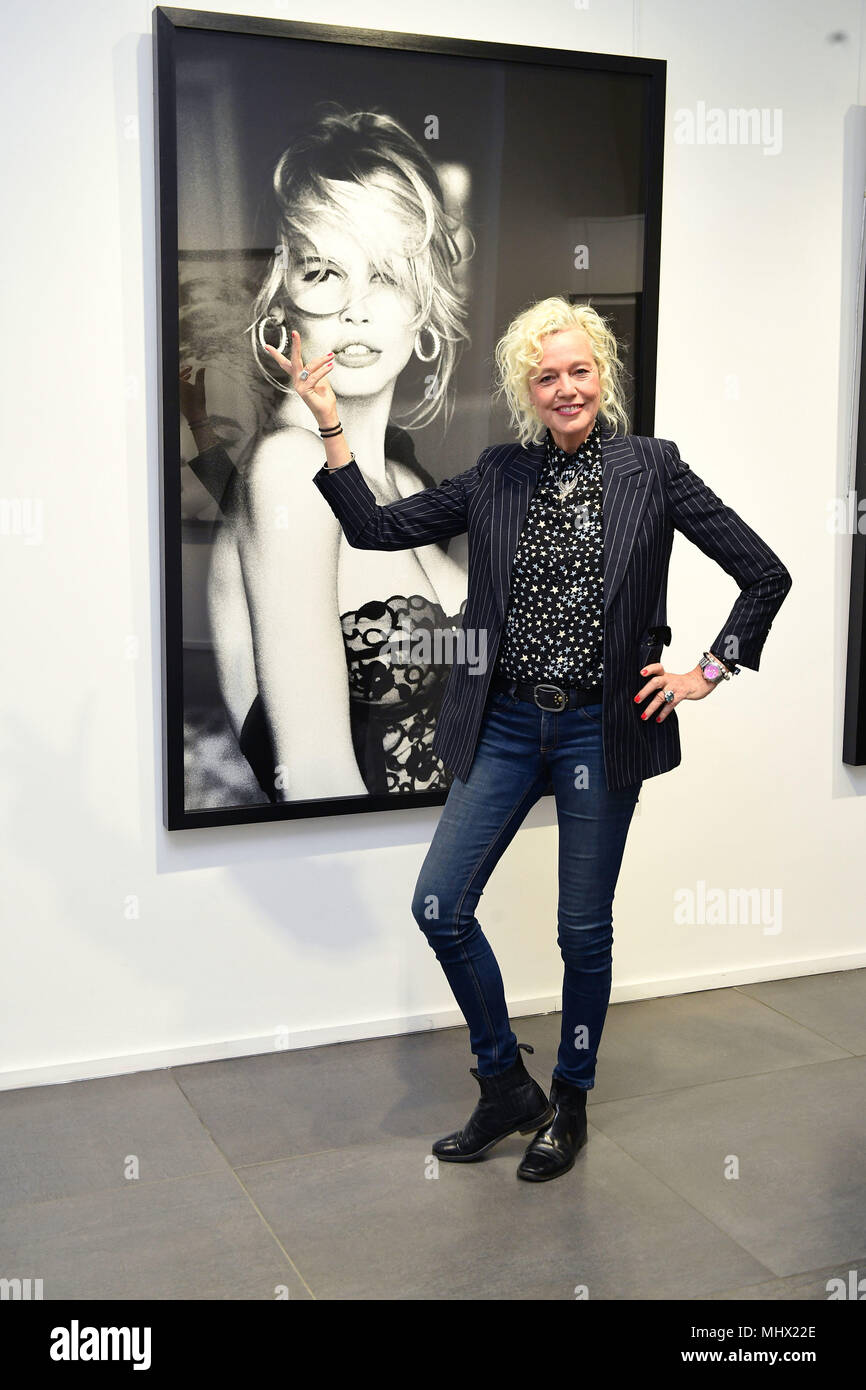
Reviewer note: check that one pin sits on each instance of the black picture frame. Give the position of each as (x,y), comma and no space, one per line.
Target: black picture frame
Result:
(636,134)
(854,714)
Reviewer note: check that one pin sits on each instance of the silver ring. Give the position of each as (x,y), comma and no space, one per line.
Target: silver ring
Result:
(669,695)
(304,374)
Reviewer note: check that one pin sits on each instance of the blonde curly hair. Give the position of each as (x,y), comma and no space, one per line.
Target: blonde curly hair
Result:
(519,352)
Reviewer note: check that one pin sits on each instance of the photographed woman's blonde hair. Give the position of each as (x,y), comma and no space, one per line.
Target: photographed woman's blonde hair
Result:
(520,350)
(362,173)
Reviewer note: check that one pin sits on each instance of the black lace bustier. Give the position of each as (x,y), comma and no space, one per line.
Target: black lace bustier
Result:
(399,655)
(398,660)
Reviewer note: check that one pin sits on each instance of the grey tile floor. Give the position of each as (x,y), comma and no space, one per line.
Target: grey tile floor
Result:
(726,1159)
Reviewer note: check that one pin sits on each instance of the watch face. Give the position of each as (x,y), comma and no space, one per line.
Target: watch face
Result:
(711,671)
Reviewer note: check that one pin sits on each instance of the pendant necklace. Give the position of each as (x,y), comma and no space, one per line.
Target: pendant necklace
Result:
(568,480)
(565,489)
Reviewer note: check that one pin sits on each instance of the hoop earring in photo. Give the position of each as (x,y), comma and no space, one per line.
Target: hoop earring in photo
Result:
(437,340)
(264,321)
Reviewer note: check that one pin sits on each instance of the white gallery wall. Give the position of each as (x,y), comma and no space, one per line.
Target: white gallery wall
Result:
(127,947)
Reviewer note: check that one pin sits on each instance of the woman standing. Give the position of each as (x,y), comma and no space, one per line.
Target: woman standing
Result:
(570,534)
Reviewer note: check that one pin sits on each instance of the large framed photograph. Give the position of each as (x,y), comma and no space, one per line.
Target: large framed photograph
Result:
(397,199)
(851,519)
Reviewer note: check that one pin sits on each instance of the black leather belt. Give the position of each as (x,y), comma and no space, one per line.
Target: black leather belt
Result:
(546,694)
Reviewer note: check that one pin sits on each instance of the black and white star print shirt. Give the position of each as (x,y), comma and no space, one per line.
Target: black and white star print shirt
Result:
(555,620)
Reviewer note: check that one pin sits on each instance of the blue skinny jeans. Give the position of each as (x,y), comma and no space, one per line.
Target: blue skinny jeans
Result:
(522,750)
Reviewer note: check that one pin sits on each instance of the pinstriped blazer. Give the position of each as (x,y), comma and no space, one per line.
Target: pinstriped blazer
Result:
(648,491)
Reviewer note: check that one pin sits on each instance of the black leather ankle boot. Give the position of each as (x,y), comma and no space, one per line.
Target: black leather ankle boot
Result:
(510,1101)
(554,1147)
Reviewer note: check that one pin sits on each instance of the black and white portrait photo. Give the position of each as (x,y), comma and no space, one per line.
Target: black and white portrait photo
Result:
(395,204)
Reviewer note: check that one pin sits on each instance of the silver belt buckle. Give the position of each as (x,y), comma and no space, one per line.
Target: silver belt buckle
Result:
(560,696)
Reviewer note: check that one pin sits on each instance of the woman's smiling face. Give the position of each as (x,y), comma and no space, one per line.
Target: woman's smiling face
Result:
(565,387)
(354,311)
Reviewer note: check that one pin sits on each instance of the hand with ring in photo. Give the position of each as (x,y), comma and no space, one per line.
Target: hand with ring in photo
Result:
(310,381)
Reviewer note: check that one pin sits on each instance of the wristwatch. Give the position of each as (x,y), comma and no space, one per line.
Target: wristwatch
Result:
(715,669)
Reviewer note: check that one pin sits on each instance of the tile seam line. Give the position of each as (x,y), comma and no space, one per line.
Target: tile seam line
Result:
(780,1279)
(267,1225)
(704,1216)
(724,1080)
(799,1023)
(134,1185)
(269,1228)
